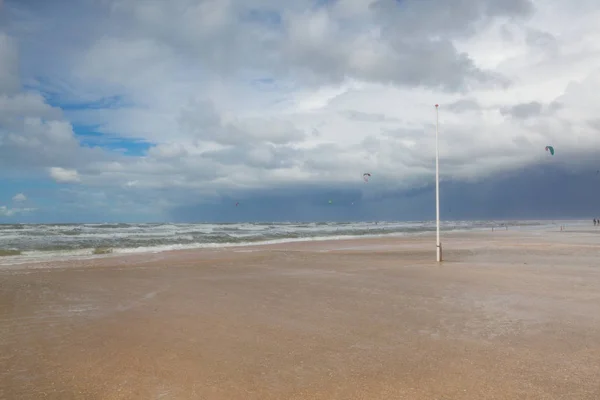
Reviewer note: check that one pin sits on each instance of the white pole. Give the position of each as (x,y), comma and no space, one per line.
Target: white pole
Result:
(437,186)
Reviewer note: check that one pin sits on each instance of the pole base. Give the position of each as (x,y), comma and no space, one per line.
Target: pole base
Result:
(439,252)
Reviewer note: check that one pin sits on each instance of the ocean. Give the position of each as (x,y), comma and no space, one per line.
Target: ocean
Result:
(21,243)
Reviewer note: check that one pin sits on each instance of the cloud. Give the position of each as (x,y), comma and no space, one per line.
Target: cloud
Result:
(377,41)
(542,40)
(11,212)
(164,102)
(9,78)
(206,124)
(33,133)
(6,212)
(523,111)
(528,194)
(464,105)
(19,197)
(369,117)
(63,175)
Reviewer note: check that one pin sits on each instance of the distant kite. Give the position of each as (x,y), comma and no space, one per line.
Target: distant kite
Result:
(550,149)
(237,203)
(366,176)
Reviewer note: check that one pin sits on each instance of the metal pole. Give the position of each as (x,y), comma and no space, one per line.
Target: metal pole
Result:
(437,186)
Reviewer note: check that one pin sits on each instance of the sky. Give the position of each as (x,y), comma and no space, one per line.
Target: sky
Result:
(133,111)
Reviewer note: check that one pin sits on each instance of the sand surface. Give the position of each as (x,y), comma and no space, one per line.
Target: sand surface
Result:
(507,316)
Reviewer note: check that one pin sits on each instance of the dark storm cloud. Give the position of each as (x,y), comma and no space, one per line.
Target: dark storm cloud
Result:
(523,111)
(318,45)
(464,105)
(414,28)
(538,192)
(451,18)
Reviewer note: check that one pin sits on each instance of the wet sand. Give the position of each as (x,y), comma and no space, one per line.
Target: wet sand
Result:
(506,316)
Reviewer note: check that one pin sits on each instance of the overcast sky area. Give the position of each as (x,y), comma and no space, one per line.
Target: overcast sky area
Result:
(126,110)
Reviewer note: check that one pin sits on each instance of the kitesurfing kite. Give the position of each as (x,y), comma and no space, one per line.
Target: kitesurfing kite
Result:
(366,176)
(550,149)
(237,203)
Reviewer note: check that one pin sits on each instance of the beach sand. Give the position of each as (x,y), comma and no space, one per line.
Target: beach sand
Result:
(508,315)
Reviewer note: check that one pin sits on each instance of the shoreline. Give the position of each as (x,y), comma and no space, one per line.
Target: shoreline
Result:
(383,242)
(8,259)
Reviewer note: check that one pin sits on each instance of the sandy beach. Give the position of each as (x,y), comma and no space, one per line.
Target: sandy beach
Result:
(508,315)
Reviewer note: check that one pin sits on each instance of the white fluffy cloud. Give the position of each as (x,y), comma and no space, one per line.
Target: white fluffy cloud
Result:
(11,212)
(64,175)
(19,197)
(7,212)
(239,95)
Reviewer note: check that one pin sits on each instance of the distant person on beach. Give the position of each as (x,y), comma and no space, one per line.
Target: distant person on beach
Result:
(594,221)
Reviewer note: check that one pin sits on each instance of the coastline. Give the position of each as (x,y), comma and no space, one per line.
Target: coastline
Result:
(11,258)
(507,315)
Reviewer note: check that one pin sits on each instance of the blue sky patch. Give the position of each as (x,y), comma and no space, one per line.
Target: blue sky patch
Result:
(111,102)
(59,94)
(90,137)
